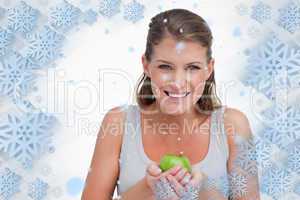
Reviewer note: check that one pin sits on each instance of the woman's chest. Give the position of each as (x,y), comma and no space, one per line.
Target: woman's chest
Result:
(194,145)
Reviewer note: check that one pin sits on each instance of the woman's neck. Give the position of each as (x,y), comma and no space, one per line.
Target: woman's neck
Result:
(165,124)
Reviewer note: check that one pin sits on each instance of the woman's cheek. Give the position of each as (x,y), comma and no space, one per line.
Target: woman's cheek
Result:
(158,83)
(198,91)
(165,77)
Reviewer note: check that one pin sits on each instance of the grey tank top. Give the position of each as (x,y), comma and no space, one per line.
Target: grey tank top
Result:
(133,159)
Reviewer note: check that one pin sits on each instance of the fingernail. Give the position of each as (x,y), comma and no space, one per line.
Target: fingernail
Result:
(169,177)
(156,169)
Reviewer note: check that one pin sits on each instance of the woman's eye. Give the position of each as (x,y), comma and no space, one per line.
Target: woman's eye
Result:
(164,67)
(194,67)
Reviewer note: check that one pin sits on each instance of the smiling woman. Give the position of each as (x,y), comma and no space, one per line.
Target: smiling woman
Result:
(177,87)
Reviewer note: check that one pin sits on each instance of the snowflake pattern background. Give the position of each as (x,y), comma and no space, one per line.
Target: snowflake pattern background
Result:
(290,16)
(273,68)
(10,183)
(22,18)
(26,138)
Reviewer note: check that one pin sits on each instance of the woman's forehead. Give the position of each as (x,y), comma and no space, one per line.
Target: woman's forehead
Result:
(169,47)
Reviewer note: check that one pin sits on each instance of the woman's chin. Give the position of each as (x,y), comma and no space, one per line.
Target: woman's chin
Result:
(173,109)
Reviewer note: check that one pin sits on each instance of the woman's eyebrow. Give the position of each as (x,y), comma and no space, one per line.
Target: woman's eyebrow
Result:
(164,61)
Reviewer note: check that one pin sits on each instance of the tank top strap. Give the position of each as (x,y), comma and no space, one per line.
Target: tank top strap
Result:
(218,130)
(130,131)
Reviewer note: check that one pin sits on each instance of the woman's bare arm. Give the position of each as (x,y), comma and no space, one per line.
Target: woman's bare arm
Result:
(242,168)
(104,169)
(139,191)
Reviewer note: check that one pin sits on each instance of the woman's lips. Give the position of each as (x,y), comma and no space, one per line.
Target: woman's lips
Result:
(176,95)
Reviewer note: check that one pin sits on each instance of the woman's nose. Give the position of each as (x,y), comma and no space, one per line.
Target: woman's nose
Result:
(179,82)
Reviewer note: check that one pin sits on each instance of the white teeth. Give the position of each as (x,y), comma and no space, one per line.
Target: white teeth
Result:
(177,95)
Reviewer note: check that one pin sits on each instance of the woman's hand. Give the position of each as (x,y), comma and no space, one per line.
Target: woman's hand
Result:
(159,183)
(193,187)
(173,184)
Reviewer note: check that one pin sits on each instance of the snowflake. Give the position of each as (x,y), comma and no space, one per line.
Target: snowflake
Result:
(263,149)
(5,40)
(246,156)
(109,8)
(23,105)
(272,67)
(38,189)
(26,138)
(45,46)
(261,12)
(22,18)
(64,16)
(253,153)
(90,17)
(276,182)
(282,125)
(9,184)
(15,75)
(289,17)
(238,185)
(133,11)
(191,192)
(293,162)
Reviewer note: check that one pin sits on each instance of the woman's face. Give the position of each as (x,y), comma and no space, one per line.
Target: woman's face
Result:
(178,71)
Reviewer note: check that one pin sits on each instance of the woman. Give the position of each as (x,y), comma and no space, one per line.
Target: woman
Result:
(178,113)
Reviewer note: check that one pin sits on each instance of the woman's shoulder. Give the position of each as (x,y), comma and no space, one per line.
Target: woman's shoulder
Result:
(115,117)
(236,122)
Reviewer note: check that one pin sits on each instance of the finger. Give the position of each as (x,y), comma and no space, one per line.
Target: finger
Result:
(180,174)
(172,170)
(163,189)
(153,169)
(186,179)
(179,189)
(196,180)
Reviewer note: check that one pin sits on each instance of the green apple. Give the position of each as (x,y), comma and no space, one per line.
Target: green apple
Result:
(168,161)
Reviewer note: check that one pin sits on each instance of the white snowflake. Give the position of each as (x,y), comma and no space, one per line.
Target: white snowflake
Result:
(109,8)
(261,12)
(45,46)
(16,75)
(219,183)
(289,16)
(26,138)
(273,66)
(6,39)
(282,125)
(247,156)
(9,184)
(238,185)
(134,11)
(38,189)
(276,182)
(293,162)
(22,18)
(191,192)
(64,16)
(263,150)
